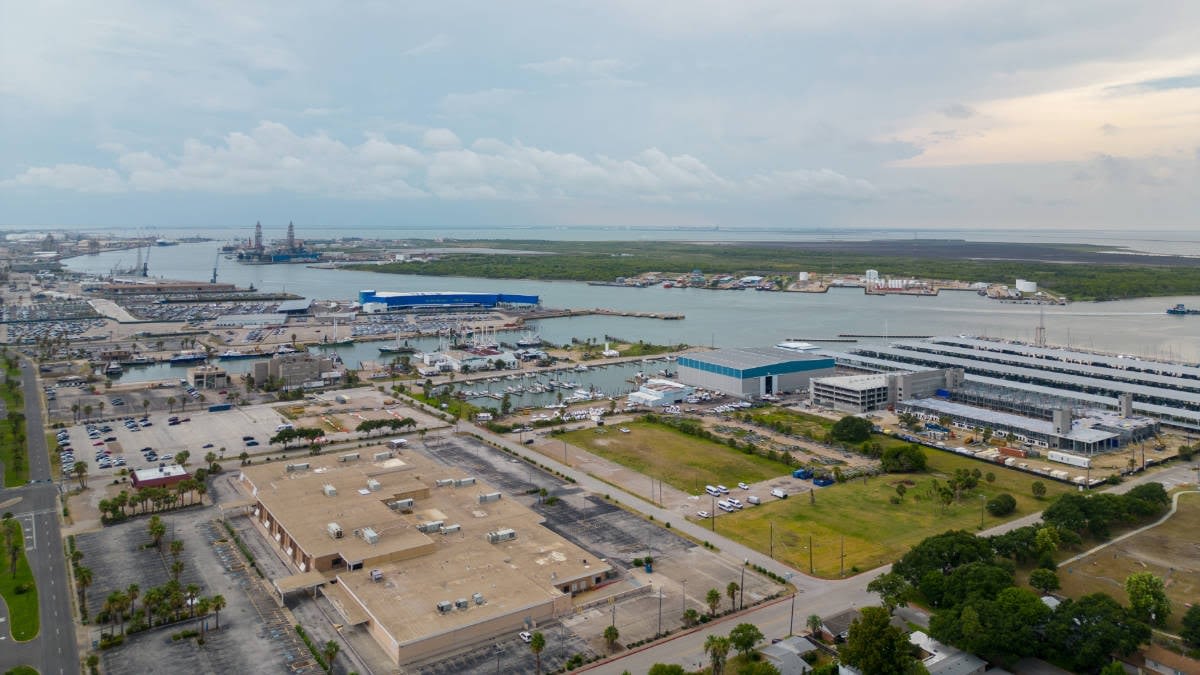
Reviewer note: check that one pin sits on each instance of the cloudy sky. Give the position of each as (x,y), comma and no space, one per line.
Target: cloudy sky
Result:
(912,114)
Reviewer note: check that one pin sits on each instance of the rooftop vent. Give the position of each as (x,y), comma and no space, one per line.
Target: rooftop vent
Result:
(489,497)
(443,482)
(430,526)
(400,504)
(380,456)
(497,536)
(372,485)
(450,529)
(348,457)
(464,481)
(462,603)
(445,606)
(376,575)
(302,466)
(478,598)
(369,535)
(329,490)
(334,530)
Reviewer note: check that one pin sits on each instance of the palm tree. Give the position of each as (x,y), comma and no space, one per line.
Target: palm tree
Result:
(81,473)
(691,617)
(717,648)
(87,411)
(330,652)
(176,549)
(201,489)
(732,590)
(176,569)
(218,603)
(100,405)
(713,598)
(202,607)
(536,644)
(170,403)
(244,457)
(83,578)
(145,405)
(193,592)
(132,593)
(611,633)
(75,411)
(157,530)
(814,623)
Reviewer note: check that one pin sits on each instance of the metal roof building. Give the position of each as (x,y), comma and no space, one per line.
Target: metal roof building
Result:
(753,371)
(414,299)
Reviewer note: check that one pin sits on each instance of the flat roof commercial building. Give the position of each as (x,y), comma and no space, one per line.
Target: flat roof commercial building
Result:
(658,392)
(158,476)
(293,371)
(754,371)
(875,391)
(425,557)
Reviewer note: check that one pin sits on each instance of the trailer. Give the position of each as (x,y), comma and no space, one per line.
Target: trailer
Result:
(1068,458)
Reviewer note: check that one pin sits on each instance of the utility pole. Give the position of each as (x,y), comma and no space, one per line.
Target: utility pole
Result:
(810,557)
(772,536)
(742,586)
(713,513)
(792,616)
(660,597)
(683,597)
(843,555)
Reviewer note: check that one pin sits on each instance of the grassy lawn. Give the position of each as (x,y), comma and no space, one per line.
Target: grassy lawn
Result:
(859,516)
(16,472)
(679,460)
(22,607)
(1169,551)
(813,426)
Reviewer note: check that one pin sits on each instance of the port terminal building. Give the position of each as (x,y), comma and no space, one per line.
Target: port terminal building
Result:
(423,557)
(753,371)
(656,393)
(386,301)
(857,394)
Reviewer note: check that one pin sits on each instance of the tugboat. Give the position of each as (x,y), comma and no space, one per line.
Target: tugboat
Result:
(397,348)
(1181,310)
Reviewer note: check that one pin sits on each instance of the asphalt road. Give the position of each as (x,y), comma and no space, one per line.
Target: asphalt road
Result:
(54,650)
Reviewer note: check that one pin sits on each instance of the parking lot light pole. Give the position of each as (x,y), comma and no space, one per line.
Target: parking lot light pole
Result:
(499,651)
(660,597)
(742,587)
(683,597)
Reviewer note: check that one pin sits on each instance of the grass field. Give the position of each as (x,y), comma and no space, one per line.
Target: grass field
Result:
(813,426)
(860,517)
(1168,551)
(15,472)
(22,607)
(677,459)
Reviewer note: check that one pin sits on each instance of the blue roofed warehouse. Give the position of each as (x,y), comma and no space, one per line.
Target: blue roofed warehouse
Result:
(416,299)
(754,371)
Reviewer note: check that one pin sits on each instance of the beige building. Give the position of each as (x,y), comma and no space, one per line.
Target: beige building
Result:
(425,557)
(297,370)
(208,377)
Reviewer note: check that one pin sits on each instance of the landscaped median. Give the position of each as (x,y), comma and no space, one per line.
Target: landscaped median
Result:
(19,590)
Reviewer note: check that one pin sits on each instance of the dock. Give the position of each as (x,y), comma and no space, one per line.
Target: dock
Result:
(557,313)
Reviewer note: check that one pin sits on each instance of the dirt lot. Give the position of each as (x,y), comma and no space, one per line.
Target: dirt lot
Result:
(1169,551)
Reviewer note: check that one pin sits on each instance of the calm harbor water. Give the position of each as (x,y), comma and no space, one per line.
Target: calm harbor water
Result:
(726,318)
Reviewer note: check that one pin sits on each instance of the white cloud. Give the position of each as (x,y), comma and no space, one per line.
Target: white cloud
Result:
(440,139)
(477,101)
(271,157)
(434,44)
(593,71)
(72,177)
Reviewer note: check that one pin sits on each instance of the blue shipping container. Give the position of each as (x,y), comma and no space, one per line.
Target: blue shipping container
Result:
(218,407)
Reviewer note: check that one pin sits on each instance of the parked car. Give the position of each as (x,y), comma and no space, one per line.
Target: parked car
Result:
(743,486)
(703,514)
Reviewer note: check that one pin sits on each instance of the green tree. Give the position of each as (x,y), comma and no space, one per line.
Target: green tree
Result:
(330,652)
(814,623)
(1191,626)
(157,530)
(81,472)
(611,635)
(1082,634)
(713,598)
(1047,540)
(893,590)
(1039,489)
(731,590)
(690,617)
(758,668)
(852,429)
(875,646)
(666,669)
(942,553)
(717,648)
(537,643)
(905,459)
(1044,580)
(1147,598)
(1113,668)
(1001,505)
(743,637)
(83,579)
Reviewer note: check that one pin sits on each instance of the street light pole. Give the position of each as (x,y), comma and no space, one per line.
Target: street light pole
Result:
(982,506)
(683,597)
(792,616)
(742,586)
(660,597)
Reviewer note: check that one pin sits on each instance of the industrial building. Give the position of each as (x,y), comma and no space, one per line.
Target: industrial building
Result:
(164,475)
(1091,432)
(753,372)
(384,301)
(424,557)
(876,391)
(298,370)
(656,393)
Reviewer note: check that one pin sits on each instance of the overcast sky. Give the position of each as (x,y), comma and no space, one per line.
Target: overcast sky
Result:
(945,114)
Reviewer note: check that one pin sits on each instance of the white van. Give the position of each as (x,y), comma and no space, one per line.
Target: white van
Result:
(753,499)
(778,493)
(725,506)
(281,427)
(735,502)
(712,490)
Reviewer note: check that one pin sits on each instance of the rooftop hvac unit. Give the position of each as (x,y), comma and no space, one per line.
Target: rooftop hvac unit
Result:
(444,606)
(329,490)
(450,529)
(443,482)
(400,504)
(302,466)
(348,457)
(334,530)
(497,536)
(380,456)
(372,485)
(430,526)
(377,575)
(478,598)
(464,481)
(370,536)
(462,603)
(489,497)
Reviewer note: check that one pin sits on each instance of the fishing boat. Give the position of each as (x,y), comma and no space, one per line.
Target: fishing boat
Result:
(336,341)
(113,369)
(398,348)
(529,339)
(234,355)
(1180,309)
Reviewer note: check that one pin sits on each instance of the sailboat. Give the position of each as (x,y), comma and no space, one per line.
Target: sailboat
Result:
(339,342)
(397,348)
